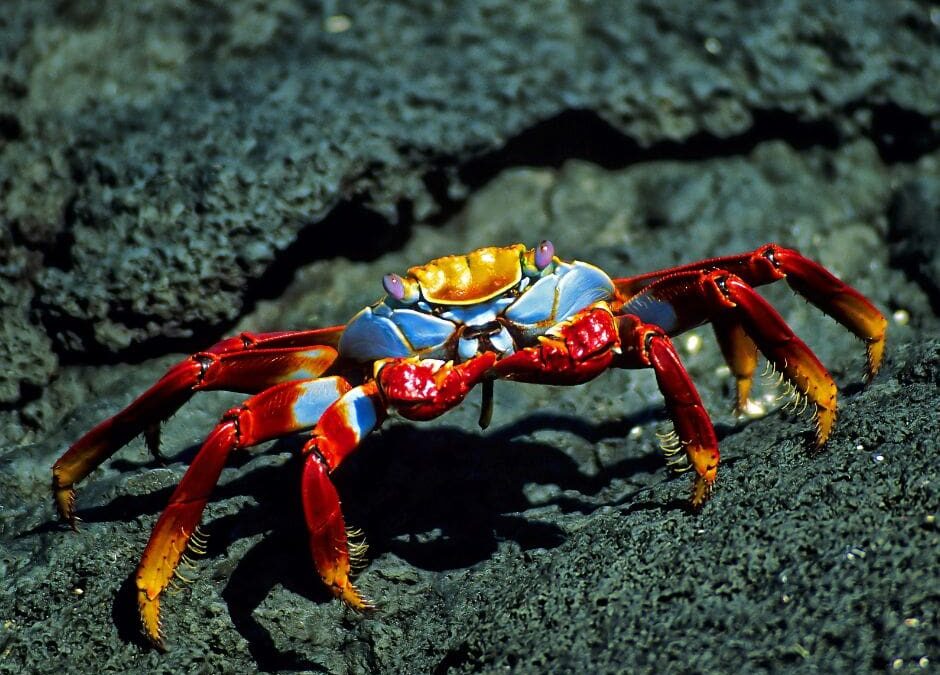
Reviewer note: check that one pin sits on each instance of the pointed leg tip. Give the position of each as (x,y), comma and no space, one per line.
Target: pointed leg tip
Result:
(354,599)
(701,493)
(152,439)
(64,498)
(702,488)
(874,362)
(150,619)
(874,356)
(825,420)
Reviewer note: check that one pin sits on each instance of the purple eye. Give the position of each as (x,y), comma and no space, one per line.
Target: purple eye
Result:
(544,253)
(394,286)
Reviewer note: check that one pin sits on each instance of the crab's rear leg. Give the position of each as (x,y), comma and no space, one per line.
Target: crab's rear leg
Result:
(685,299)
(842,302)
(765,265)
(740,354)
(247,363)
(728,297)
(279,410)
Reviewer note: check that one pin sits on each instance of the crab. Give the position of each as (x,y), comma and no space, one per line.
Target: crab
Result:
(441,329)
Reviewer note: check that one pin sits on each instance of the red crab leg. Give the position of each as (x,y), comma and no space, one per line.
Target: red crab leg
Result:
(777,342)
(839,300)
(689,298)
(339,432)
(645,345)
(592,341)
(247,363)
(418,390)
(767,264)
(277,411)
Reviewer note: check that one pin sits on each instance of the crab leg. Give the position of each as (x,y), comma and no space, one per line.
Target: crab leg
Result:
(277,411)
(418,390)
(646,345)
(593,340)
(678,302)
(247,363)
(765,265)
(339,432)
(839,300)
(773,337)
(740,354)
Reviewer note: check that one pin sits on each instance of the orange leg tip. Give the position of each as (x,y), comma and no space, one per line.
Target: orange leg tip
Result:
(355,600)
(742,399)
(150,618)
(701,491)
(825,420)
(875,353)
(65,504)
(345,590)
(705,462)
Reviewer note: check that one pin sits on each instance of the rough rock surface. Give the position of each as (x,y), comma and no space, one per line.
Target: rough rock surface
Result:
(156,193)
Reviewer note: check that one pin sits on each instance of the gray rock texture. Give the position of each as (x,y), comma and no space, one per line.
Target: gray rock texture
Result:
(173,172)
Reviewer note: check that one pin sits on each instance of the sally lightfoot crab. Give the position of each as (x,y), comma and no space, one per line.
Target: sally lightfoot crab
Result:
(444,327)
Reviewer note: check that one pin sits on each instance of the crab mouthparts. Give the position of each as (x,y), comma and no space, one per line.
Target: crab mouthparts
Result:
(483,330)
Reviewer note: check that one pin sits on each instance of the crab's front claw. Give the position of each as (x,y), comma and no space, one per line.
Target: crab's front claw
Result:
(575,351)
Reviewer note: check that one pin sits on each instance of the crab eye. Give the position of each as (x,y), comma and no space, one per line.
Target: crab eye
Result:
(393,286)
(544,253)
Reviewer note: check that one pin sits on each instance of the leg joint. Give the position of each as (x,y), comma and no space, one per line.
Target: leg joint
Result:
(770,253)
(205,361)
(651,333)
(312,449)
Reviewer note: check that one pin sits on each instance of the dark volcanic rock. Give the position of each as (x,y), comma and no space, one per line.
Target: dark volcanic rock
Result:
(914,232)
(554,541)
(170,171)
(165,175)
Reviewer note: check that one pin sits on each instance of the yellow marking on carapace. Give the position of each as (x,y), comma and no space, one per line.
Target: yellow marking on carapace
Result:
(475,277)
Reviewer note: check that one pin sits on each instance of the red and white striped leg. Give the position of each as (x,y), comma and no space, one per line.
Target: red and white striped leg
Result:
(247,363)
(339,431)
(417,389)
(280,410)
